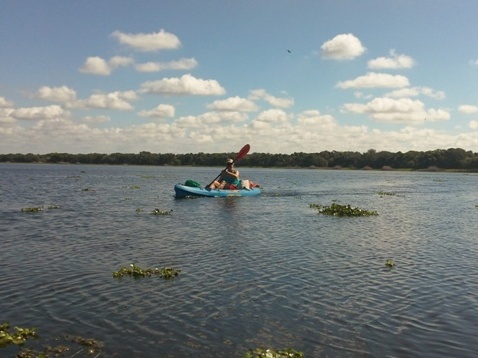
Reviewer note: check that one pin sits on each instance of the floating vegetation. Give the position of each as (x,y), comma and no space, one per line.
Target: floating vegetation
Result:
(139,210)
(137,272)
(161,212)
(35,209)
(273,353)
(342,210)
(16,338)
(134,187)
(387,193)
(87,348)
(389,263)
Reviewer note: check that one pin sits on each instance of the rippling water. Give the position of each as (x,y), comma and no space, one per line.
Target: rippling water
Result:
(259,271)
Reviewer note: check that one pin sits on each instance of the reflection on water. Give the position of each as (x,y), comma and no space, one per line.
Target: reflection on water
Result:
(259,271)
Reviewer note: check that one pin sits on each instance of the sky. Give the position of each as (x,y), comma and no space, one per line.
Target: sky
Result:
(285,76)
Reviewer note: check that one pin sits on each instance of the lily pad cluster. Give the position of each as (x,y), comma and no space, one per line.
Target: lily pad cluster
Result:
(342,210)
(161,212)
(273,353)
(18,337)
(389,263)
(74,345)
(37,209)
(138,272)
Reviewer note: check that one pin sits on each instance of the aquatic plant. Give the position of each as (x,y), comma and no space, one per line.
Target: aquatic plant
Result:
(134,187)
(389,263)
(139,210)
(33,209)
(161,212)
(342,210)
(53,207)
(88,347)
(387,193)
(137,272)
(16,338)
(273,353)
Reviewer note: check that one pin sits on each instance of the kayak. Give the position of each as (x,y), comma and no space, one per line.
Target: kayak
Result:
(183,191)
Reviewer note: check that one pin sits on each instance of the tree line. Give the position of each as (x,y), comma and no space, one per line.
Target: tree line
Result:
(450,159)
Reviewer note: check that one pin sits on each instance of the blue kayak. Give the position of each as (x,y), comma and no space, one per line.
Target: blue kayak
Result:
(183,191)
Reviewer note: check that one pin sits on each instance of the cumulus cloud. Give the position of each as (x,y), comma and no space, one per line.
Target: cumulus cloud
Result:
(97,66)
(233,104)
(182,64)
(342,47)
(393,62)
(161,111)
(155,41)
(96,119)
(61,94)
(473,124)
(184,85)
(37,113)
(269,118)
(207,119)
(403,110)
(375,80)
(114,100)
(314,118)
(468,109)
(5,103)
(260,94)
(416,91)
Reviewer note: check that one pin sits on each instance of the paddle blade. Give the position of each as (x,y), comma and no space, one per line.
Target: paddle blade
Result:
(242,153)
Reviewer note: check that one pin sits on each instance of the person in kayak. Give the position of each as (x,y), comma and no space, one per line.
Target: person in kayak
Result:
(229,178)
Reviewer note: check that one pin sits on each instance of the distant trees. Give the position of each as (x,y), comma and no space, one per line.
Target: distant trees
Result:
(452,158)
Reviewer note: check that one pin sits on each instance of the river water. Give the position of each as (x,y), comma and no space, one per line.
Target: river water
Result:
(266,271)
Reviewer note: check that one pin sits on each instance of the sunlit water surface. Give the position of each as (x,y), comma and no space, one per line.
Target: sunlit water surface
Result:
(266,271)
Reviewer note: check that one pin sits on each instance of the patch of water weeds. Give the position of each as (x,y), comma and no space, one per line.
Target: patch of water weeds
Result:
(342,210)
(138,272)
(273,353)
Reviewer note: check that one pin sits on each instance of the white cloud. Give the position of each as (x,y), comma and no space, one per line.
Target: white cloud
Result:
(272,116)
(403,110)
(313,119)
(184,85)
(36,113)
(234,104)
(393,62)
(5,103)
(120,61)
(96,119)
(114,100)
(468,109)
(155,41)
(342,47)
(61,94)
(473,124)
(375,80)
(207,119)
(416,91)
(261,94)
(161,111)
(182,64)
(96,66)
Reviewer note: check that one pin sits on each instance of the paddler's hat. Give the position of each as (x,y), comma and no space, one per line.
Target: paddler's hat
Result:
(230,161)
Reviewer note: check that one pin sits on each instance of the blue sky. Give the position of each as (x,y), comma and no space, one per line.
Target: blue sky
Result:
(210,76)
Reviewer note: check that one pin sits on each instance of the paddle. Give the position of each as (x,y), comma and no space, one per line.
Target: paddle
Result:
(242,153)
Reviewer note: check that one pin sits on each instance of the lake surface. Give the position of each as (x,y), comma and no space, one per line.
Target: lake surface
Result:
(266,271)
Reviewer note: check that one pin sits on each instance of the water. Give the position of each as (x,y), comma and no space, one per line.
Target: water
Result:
(263,271)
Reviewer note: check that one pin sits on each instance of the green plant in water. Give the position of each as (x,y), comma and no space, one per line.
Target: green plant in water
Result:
(53,207)
(389,263)
(387,193)
(342,210)
(161,212)
(17,338)
(33,210)
(273,353)
(137,272)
